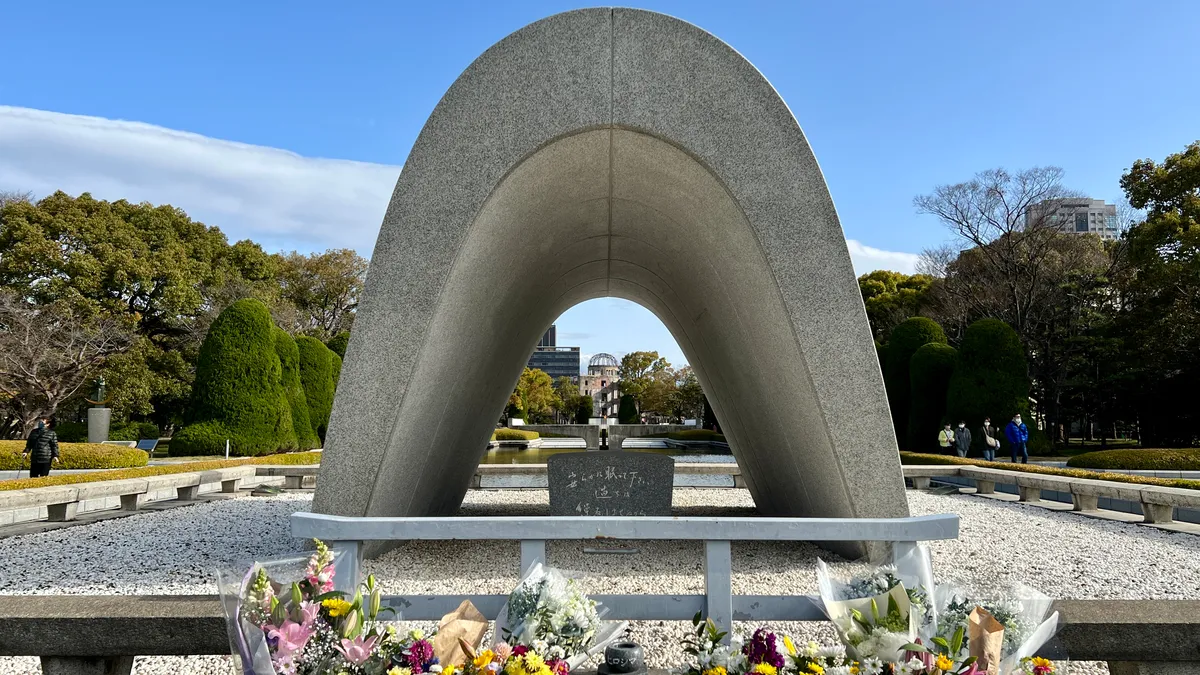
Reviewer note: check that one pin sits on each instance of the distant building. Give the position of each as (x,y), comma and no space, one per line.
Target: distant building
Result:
(601,384)
(553,360)
(1080,216)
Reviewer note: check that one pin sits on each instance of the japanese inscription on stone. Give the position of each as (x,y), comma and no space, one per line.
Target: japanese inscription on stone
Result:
(614,483)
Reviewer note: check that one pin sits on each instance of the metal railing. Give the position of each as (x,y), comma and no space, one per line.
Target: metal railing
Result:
(348,534)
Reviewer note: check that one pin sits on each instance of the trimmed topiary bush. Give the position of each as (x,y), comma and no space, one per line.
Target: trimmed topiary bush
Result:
(904,341)
(337,344)
(627,411)
(514,435)
(316,377)
(305,438)
(76,456)
(929,372)
(238,388)
(990,379)
(132,431)
(71,432)
(923,459)
(583,412)
(1183,459)
(295,458)
(337,372)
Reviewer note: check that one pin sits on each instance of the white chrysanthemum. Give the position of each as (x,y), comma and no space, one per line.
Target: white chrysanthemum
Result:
(870,666)
(831,652)
(812,649)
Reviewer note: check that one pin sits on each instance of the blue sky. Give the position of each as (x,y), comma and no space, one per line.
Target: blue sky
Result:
(236,111)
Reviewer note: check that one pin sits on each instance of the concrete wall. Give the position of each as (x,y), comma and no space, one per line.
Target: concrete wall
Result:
(616,432)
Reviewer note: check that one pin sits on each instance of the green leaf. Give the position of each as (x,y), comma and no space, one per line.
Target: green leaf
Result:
(957,641)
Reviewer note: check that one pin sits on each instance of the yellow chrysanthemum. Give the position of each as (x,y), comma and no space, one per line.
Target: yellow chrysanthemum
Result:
(449,669)
(815,669)
(791,647)
(336,606)
(765,669)
(854,668)
(484,657)
(399,671)
(532,663)
(1039,662)
(944,663)
(717,670)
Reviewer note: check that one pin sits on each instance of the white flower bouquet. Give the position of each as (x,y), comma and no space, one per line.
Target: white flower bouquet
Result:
(548,610)
(1011,618)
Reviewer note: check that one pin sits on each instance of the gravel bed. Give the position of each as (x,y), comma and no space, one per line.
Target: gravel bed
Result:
(175,551)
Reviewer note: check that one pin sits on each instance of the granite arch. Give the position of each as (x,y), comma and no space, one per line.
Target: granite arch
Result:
(612,152)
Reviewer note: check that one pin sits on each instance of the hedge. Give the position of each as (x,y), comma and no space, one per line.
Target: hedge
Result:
(1184,459)
(289,362)
(131,431)
(904,341)
(920,458)
(238,390)
(295,458)
(316,376)
(929,372)
(991,378)
(690,435)
(76,456)
(336,368)
(338,343)
(514,435)
(627,411)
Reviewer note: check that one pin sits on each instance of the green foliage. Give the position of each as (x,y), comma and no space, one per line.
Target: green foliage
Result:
(892,297)
(514,435)
(339,342)
(238,387)
(71,432)
(76,456)
(296,458)
(289,361)
(691,435)
(583,410)
(930,369)
(316,377)
(637,374)
(991,377)
(131,431)
(905,340)
(627,411)
(534,396)
(335,369)
(914,458)
(1187,459)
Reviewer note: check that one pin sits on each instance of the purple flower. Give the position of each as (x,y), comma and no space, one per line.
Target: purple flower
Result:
(761,649)
(419,655)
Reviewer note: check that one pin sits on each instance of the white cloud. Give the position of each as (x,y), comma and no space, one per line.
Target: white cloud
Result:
(273,196)
(868,259)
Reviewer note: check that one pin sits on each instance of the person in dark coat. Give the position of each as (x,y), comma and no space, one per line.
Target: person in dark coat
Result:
(42,449)
(1018,436)
(962,439)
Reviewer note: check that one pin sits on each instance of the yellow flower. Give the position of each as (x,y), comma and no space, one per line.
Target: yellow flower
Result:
(765,669)
(399,671)
(532,664)
(791,647)
(1039,662)
(815,668)
(719,670)
(336,606)
(484,657)
(449,669)
(944,663)
(854,668)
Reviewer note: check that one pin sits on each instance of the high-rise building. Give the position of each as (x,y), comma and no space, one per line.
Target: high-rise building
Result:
(1077,215)
(553,360)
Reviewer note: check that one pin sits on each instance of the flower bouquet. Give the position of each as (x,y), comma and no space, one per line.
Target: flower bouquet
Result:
(303,627)
(1002,627)
(548,610)
(538,659)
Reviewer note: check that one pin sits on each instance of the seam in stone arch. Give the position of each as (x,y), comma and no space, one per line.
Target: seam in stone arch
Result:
(612,59)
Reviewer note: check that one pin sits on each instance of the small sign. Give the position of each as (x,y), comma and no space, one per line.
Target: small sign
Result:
(147,444)
(615,483)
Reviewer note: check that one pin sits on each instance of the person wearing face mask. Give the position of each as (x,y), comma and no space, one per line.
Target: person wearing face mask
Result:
(42,449)
(989,440)
(962,439)
(946,439)
(1018,436)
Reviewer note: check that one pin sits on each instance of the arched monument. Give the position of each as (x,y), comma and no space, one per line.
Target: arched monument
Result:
(612,152)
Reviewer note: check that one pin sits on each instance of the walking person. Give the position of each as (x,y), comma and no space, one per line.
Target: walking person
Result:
(42,449)
(962,439)
(1018,436)
(946,439)
(990,443)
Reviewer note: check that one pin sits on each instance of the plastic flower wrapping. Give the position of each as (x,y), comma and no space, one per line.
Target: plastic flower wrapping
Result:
(548,610)
(284,618)
(1011,618)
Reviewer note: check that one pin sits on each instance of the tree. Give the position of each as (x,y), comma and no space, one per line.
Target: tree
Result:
(636,374)
(892,297)
(9,196)
(534,394)
(339,342)
(929,375)
(583,409)
(906,338)
(689,397)
(990,376)
(317,379)
(627,412)
(48,353)
(289,360)
(1158,321)
(324,288)
(566,398)
(238,394)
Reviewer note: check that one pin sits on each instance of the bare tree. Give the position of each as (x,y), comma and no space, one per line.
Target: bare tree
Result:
(9,196)
(47,355)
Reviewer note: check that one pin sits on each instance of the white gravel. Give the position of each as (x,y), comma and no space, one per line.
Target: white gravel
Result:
(173,552)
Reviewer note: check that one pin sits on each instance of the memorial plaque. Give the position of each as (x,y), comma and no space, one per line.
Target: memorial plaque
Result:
(615,483)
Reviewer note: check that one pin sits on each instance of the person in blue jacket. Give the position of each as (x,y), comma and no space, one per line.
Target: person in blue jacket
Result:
(1018,436)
